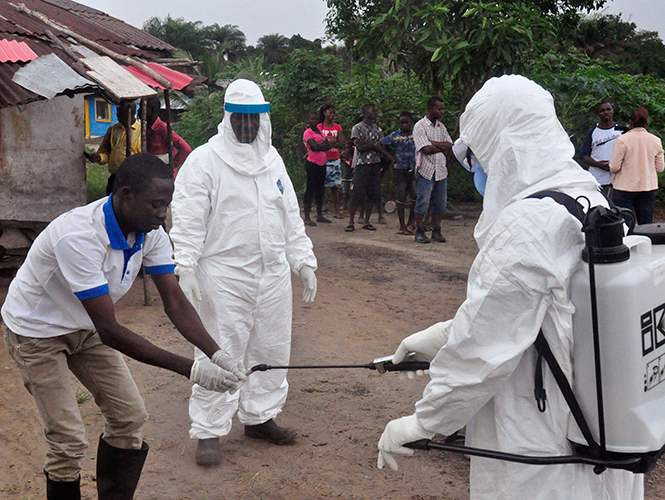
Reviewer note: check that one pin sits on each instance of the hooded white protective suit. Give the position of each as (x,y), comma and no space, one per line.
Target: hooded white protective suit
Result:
(236,223)
(528,251)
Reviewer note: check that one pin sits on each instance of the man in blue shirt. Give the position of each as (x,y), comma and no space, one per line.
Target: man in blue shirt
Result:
(59,317)
(404,161)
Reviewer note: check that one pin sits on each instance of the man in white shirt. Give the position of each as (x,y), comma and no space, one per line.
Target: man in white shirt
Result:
(59,317)
(599,143)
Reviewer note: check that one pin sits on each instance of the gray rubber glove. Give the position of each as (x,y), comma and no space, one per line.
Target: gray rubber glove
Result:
(223,360)
(210,376)
(188,284)
(398,433)
(308,278)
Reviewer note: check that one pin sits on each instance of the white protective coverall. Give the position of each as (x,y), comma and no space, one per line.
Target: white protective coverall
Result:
(519,281)
(236,222)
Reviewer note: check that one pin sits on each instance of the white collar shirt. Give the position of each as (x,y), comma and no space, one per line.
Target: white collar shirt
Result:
(82,254)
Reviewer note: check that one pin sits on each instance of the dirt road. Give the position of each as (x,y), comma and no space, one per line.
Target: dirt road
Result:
(374,287)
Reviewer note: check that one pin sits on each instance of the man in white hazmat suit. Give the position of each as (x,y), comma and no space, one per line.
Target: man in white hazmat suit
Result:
(237,235)
(483,360)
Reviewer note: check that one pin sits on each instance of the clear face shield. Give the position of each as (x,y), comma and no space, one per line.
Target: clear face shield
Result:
(246,120)
(469,161)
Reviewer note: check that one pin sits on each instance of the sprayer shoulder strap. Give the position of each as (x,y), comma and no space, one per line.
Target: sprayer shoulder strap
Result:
(543,348)
(545,352)
(572,205)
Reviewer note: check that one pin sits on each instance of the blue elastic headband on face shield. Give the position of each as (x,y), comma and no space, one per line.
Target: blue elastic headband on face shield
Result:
(247,109)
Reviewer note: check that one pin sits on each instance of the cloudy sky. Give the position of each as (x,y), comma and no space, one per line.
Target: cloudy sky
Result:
(256,18)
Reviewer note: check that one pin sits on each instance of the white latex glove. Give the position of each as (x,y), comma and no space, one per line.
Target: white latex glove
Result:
(210,376)
(398,433)
(223,360)
(424,344)
(188,284)
(308,278)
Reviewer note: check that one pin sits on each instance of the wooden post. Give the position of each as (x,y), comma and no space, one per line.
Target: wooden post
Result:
(147,300)
(169,129)
(128,130)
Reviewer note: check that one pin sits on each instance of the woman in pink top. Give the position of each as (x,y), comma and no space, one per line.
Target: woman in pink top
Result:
(333,132)
(315,166)
(636,159)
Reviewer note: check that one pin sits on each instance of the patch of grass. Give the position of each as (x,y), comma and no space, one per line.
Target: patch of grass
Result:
(82,396)
(97,177)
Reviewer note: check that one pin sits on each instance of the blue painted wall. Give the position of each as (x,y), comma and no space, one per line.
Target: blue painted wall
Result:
(95,125)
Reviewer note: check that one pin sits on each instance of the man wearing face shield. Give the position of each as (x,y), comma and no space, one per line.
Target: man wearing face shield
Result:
(237,236)
(483,360)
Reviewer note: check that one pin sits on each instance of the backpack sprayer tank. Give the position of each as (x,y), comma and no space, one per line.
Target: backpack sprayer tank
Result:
(630,294)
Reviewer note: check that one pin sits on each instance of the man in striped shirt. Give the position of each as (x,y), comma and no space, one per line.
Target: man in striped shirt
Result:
(433,143)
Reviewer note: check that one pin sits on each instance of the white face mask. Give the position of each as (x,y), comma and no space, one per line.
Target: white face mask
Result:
(469,161)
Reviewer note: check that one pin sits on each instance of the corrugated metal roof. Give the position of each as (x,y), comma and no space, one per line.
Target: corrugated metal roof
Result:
(129,33)
(49,76)
(114,78)
(90,23)
(178,80)
(12,93)
(13,51)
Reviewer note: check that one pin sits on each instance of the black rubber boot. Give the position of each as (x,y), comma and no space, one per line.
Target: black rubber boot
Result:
(118,471)
(208,452)
(70,490)
(271,432)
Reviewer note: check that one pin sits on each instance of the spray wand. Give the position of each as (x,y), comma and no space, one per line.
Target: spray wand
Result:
(381,365)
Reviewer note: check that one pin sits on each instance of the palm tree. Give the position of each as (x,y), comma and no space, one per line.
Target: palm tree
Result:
(185,35)
(250,68)
(229,39)
(274,48)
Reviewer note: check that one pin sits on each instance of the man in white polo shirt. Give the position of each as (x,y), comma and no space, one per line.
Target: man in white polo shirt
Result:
(59,317)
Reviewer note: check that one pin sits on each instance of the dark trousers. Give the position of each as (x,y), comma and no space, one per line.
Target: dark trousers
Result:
(641,202)
(316,178)
(367,184)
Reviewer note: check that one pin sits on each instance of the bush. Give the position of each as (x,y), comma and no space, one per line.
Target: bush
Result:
(97,177)
(199,123)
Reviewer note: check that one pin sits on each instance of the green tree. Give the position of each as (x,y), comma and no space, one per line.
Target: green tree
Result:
(186,35)
(228,39)
(455,42)
(274,47)
(199,123)
(249,68)
(197,39)
(298,42)
(610,38)
(451,42)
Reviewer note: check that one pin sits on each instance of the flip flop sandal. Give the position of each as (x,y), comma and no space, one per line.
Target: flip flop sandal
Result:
(349,228)
(369,227)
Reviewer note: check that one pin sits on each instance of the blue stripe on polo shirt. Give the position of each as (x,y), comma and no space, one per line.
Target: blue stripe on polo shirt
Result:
(165,269)
(93,292)
(116,238)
